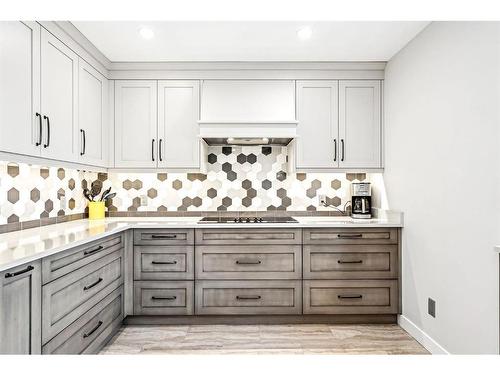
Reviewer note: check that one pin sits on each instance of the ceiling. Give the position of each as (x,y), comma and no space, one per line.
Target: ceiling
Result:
(120,41)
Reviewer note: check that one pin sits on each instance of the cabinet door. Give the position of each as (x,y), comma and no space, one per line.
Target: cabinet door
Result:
(92,91)
(136,124)
(20,87)
(178,129)
(317,113)
(59,67)
(360,124)
(20,310)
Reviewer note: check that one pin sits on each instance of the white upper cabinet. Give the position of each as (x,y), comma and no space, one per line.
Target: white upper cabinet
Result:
(360,124)
(317,114)
(20,87)
(178,129)
(92,103)
(339,125)
(59,82)
(136,144)
(247,101)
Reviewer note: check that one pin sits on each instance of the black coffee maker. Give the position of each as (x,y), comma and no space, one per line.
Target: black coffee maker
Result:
(361,200)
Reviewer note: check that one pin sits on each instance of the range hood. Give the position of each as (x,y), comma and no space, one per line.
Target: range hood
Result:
(242,112)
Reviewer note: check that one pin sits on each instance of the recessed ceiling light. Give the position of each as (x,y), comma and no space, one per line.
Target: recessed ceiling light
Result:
(304,33)
(146,33)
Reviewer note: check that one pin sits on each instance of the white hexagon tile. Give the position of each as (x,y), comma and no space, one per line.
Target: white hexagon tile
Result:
(248,178)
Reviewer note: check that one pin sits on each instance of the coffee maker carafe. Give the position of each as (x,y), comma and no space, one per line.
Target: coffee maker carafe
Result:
(361,200)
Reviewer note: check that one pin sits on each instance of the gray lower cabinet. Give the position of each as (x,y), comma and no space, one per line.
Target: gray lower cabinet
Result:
(91,330)
(163,297)
(350,297)
(163,262)
(248,297)
(60,264)
(163,272)
(67,298)
(249,262)
(20,309)
(350,261)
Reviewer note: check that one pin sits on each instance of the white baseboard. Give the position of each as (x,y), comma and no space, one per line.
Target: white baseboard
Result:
(423,338)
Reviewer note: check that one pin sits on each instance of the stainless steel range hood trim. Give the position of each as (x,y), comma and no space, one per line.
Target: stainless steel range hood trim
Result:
(259,141)
(250,133)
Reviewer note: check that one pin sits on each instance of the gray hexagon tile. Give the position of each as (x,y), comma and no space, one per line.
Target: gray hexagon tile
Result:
(237,178)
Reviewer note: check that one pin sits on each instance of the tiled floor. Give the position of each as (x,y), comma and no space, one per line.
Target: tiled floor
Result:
(264,339)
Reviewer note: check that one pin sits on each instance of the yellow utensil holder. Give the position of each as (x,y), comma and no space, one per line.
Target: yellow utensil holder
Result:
(96,210)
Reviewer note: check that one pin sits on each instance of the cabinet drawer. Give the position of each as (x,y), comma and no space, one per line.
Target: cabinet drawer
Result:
(67,298)
(350,297)
(249,236)
(163,297)
(163,262)
(249,262)
(248,297)
(351,236)
(163,236)
(89,328)
(60,264)
(350,261)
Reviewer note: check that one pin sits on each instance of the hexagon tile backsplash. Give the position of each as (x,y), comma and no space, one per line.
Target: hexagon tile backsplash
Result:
(248,178)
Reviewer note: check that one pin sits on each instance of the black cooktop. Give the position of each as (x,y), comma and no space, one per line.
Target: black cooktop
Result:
(247,220)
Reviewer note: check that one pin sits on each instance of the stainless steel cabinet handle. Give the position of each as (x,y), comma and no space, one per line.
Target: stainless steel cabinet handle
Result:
(93,284)
(335,150)
(159,149)
(48,132)
(85,335)
(248,297)
(17,273)
(357,235)
(88,252)
(158,262)
(168,298)
(84,139)
(342,144)
(39,129)
(349,296)
(349,261)
(248,262)
(153,150)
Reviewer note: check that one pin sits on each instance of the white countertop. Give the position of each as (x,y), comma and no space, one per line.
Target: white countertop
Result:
(17,248)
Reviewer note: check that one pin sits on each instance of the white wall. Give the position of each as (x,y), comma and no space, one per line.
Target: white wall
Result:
(442,169)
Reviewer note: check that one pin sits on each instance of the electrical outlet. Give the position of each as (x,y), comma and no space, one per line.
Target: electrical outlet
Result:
(322,199)
(144,200)
(431,307)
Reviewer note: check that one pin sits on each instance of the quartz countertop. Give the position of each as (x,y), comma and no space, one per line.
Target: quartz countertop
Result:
(20,247)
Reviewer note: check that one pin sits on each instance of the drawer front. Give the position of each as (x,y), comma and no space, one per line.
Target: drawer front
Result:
(248,297)
(346,236)
(67,298)
(163,297)
(76,338)
(350,297)
(249,262)
(163,262)
(350,261)
(60,264)
(248,236)
(163,236)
